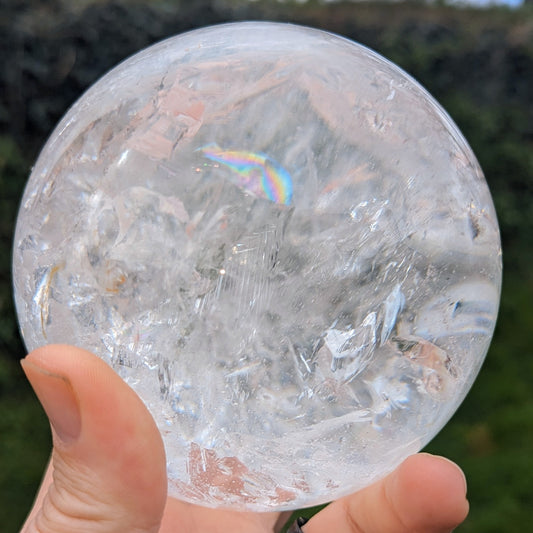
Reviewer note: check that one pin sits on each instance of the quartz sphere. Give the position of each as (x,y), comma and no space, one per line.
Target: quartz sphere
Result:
(281,242)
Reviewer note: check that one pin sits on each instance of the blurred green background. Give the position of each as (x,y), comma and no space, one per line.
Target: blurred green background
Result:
(477,63)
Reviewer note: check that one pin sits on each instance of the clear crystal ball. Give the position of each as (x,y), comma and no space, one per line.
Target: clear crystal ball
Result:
(281,242)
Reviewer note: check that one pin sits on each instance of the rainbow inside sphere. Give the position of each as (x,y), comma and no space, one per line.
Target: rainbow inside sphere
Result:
(281,242)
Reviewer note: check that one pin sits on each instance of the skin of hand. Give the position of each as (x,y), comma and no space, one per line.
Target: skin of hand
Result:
(107,471)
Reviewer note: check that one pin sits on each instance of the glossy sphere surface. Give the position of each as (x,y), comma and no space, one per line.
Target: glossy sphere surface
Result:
(281,242)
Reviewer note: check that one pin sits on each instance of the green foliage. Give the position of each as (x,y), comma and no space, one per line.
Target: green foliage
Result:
(478,64)
(24,446)
(13,172)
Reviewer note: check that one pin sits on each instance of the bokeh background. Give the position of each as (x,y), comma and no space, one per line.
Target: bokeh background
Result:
(478,62)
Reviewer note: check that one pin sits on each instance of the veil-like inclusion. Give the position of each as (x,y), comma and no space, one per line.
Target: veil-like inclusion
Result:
(281,242)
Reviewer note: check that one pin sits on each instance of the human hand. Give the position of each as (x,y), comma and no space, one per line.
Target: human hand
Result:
(107,472)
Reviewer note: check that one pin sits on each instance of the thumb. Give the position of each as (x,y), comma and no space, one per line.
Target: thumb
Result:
(108,462)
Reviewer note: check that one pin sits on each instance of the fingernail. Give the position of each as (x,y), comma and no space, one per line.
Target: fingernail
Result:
(58,399)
